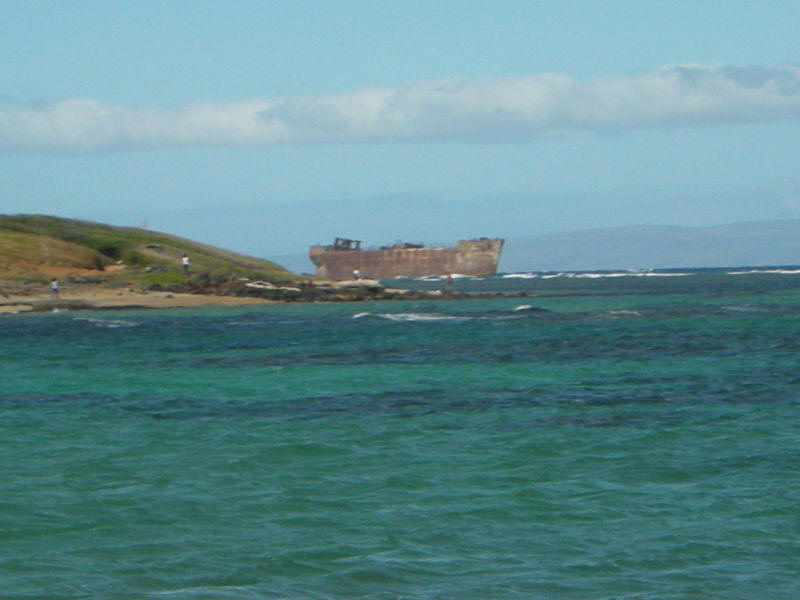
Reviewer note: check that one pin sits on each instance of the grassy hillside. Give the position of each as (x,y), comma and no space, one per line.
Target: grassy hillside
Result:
(37,245)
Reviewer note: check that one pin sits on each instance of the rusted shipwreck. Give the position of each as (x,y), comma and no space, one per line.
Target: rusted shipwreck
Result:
(345,259)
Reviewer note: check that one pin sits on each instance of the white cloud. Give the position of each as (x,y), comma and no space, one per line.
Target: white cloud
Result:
(484,111)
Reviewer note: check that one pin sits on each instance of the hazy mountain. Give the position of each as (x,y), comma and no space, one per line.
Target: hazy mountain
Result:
(283,233)
(755,243)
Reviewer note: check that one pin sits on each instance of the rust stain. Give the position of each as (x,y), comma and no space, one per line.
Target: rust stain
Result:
(344,258)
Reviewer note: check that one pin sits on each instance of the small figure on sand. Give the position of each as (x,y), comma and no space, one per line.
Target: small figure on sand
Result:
(357,275)
(185,263)
(448,284)
(54,288)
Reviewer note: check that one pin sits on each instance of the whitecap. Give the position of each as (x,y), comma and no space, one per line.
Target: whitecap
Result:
(108,323)
(745,308)
(768,271)
(601,275)
(611,274)
(411,317)
(623,313)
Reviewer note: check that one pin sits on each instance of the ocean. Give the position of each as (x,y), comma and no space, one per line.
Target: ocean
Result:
(583,436)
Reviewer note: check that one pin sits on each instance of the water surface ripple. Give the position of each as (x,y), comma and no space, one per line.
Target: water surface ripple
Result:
(624,446)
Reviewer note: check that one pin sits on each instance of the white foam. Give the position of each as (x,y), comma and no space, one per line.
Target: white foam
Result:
(624,313)
(411,317)
(770,271)
(611,274)
(109,323)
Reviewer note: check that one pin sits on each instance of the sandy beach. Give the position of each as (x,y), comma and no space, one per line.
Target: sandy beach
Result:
(87,297)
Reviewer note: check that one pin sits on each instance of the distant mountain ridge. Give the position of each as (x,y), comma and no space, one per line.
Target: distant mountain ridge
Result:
(284,232)
(755,243)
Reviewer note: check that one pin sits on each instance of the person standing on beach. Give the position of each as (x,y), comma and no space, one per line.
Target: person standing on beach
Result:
(185,263)
(54,288)
(448,284)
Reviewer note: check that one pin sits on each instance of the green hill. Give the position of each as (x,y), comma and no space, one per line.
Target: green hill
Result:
(41,246)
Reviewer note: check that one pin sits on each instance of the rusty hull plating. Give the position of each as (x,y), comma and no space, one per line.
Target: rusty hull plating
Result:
(341,259)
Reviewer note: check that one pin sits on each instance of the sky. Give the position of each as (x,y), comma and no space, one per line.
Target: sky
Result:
(238,122)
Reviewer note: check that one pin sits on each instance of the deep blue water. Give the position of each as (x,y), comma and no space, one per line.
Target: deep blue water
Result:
(606,442)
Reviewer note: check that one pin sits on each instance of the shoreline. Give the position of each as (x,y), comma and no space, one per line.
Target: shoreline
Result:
(84,296)
(100,298)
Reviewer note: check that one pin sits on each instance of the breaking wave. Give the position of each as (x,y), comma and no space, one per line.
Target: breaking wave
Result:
(413,317)
(515,313)
(107,323)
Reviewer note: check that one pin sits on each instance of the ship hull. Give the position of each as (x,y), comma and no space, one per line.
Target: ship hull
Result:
(469,257)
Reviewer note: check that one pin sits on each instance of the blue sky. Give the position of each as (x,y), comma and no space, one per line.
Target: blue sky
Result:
(550,115)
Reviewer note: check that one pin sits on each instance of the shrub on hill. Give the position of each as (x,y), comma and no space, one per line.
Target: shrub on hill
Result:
(83,244)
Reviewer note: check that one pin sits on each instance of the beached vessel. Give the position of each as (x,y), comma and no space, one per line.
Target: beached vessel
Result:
(345,259)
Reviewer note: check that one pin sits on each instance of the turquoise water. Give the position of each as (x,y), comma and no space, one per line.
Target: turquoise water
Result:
(624,446)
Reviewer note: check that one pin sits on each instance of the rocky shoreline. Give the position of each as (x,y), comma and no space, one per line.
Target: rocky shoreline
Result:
(90,296)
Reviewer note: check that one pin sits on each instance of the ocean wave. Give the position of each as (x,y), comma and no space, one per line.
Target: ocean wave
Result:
(752,308)
(596,275)
(624,312)
(517,312)
(765,271)
(411,317)
(436,278)
(108,323)
(528,308)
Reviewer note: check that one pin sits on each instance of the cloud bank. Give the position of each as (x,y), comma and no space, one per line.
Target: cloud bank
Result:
(477,111)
